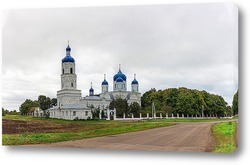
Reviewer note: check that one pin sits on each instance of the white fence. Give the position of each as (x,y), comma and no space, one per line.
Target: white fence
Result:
(161,116)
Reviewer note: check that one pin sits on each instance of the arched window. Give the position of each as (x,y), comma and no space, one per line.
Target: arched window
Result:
(71,70)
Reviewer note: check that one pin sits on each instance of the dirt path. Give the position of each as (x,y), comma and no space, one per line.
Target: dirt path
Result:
(186,137)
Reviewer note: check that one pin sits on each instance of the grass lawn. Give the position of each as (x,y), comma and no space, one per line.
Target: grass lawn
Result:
(225,137)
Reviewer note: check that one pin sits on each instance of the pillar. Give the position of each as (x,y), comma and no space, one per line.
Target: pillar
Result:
(100,114)
(108,114)
(114,114)
(147,115)
(160,115)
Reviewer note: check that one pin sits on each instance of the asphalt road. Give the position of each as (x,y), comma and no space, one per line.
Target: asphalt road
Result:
(182,137)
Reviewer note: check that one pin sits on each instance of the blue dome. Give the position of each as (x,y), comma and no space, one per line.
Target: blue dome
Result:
(105,82)
(134,81)
(121,75)
(68,58)
(68,48)
(119,79)
(91,90)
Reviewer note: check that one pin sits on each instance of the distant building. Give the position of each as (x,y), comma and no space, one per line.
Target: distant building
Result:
(71,104)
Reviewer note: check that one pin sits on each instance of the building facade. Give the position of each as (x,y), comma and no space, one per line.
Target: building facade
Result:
(71,104)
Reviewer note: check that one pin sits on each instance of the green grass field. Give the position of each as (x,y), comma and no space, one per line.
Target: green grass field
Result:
(225,137)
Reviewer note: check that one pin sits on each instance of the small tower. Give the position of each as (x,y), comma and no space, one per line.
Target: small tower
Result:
(105,85)
(91,91)
(135,85)
(120,81)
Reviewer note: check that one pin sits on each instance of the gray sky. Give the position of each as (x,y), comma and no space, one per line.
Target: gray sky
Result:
(192,45)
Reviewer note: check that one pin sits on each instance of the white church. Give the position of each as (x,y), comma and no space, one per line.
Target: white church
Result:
(71,104)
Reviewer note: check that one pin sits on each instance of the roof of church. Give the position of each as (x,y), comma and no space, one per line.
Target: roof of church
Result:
(93,98)
(121,75)
(70,106)
(134,81)
(68,57)
(105,82)
(119,79)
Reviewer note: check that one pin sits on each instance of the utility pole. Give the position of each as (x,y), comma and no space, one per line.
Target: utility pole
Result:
(153,109)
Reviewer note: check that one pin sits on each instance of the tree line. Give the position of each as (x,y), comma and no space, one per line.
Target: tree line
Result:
(186,101)
(9,112)
(43,102)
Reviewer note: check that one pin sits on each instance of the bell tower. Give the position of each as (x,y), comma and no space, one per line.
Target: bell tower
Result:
(68,76)
(68,92)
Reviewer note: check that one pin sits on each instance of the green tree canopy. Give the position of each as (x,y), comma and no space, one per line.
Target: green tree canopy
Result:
(235,103)
(45,102)
(121,106)
(135,108)
(27,106)
(184,101)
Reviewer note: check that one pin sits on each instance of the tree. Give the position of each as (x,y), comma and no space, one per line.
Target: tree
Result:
(42,101)
(45,102)
(120,105)
(54,102)
(25,107)
(134,108)
(3,112)
(235,103)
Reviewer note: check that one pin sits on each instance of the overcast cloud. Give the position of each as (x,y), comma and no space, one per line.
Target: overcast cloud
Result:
(192,45)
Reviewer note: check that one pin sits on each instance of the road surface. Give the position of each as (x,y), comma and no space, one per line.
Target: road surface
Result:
(182,137)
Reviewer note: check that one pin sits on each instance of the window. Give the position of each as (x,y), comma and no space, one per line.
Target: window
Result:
(71,70)
(63,71)
(74,113)
(72,84)
(66,113)
(63,113)
(86,113)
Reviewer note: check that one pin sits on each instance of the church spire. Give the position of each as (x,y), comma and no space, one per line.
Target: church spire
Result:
(68,49)
(91,91)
